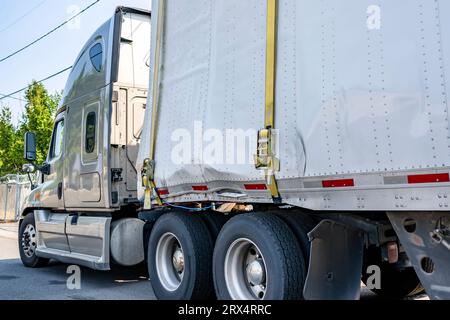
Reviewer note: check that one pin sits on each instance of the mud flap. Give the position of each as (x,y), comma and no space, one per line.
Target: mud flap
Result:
(426,239)
(336,262)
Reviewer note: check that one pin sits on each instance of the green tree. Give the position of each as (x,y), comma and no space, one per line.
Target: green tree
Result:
(37,117)
(7,136)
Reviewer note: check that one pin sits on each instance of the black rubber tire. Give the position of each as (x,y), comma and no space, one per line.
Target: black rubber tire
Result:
(150,219)
(197,244)
(395,283)
(33,261)
(281,252)
(148,227)
(300,225)
(215,222)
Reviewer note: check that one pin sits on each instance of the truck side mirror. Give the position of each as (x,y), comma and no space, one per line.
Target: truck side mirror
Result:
(28,168)
(30,147)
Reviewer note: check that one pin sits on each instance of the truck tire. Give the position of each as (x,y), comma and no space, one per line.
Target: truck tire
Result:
(180,258)
(300,225)
(28,244)
(258,258)
(150,219)
(395,283)
(147,232)
(215,222)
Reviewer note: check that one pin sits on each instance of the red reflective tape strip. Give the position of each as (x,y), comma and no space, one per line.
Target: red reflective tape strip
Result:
(163,192)
(429,178)
(255,187)
(338,183)
(200,188)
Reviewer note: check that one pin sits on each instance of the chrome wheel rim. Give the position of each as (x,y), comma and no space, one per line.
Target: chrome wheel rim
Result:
(170,263)
(29,241)
(245,271)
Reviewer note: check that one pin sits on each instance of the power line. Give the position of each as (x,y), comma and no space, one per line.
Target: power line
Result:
(23,16)
(11,97)
(50,32)
(40,81)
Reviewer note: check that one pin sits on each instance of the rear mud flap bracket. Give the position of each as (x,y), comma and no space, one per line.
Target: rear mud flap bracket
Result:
(336,262)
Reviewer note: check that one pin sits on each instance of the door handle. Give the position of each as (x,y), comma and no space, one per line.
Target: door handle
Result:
(60,190)
(74,219)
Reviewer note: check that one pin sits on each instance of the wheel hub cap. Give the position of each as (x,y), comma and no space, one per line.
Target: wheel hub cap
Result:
(178,260)
(256,274)
(29,241)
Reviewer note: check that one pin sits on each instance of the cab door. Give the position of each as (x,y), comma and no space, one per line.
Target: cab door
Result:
(86,164)
(52,194)
(52,226)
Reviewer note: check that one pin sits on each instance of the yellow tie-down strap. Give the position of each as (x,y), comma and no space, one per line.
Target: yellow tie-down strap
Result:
(148,171)
(270,63)
(265,158)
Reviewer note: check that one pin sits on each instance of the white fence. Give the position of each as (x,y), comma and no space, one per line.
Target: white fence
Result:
(13,191)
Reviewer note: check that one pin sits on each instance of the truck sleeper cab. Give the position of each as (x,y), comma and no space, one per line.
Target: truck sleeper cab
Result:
(91,165)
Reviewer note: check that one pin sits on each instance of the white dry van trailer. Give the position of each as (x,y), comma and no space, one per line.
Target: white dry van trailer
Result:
(282,149)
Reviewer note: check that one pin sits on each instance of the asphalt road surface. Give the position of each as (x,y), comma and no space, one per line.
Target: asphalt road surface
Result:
(50,283)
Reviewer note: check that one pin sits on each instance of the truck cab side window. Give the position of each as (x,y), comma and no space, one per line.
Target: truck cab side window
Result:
(91,121)
(58,140)
(96,55)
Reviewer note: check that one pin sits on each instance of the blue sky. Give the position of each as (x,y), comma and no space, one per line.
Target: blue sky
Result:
(22,21)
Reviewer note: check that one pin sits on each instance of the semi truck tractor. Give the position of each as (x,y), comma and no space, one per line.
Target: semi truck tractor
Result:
(254,150)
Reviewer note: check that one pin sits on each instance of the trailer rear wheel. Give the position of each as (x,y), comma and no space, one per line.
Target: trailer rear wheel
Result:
(28,244)
(395,283)
(215,222)
(180,258)
(258,258)
(301,225)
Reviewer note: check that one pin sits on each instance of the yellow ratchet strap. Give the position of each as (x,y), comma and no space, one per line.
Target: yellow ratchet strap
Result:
(265,158)
(148,171)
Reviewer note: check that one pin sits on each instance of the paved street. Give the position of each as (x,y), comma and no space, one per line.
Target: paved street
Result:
(49,283)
